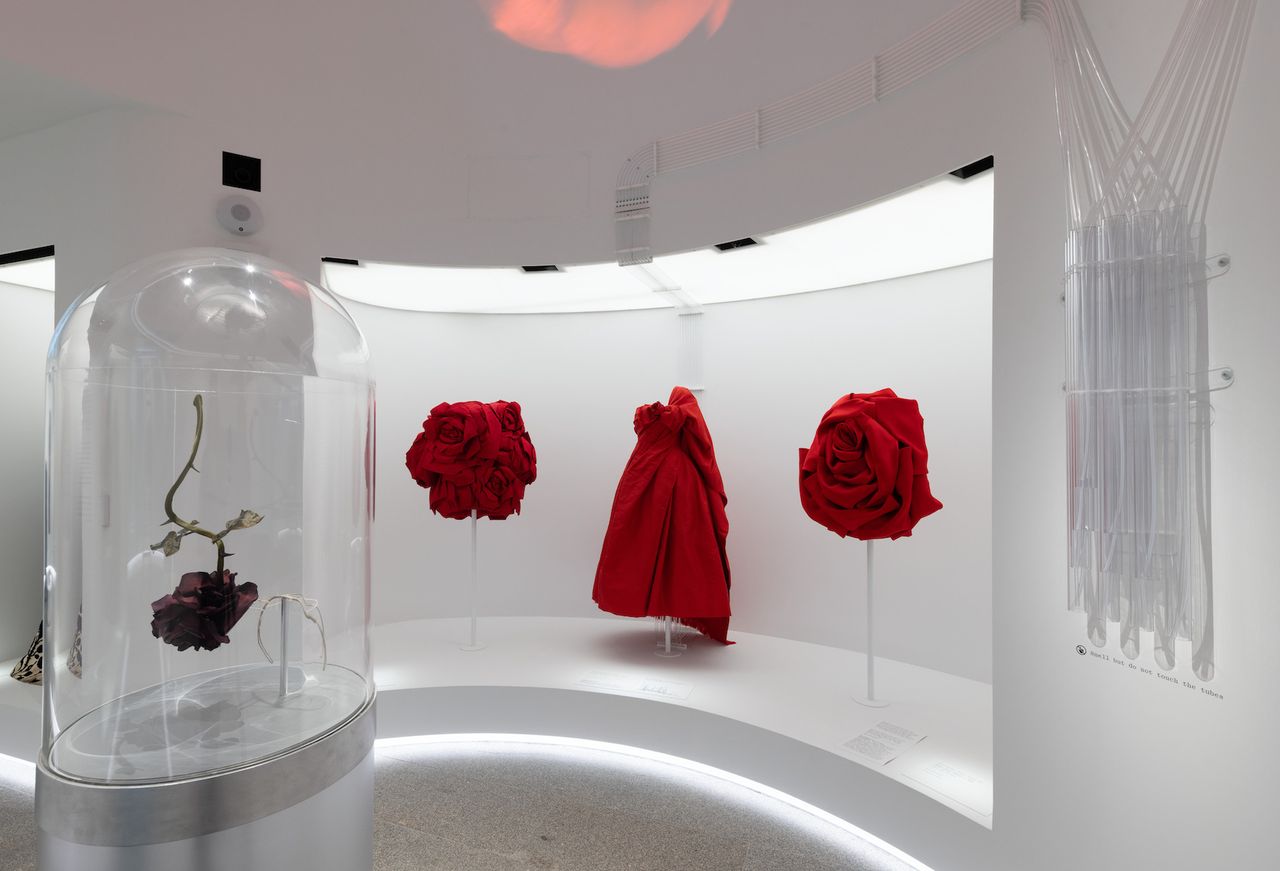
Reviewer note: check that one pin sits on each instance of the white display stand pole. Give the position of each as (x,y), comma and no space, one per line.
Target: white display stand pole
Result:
(284,648)
(475,590)
(667,648)
(870,699)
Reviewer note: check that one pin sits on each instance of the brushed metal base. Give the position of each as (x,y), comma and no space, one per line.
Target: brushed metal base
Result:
(330,831)
(309,808)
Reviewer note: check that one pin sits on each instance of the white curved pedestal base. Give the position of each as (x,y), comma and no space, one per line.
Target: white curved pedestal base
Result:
(805,692)
(870,703)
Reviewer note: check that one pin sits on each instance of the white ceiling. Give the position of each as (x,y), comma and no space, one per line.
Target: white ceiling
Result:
(383,101)
(421,65)
(944,223)
(31,100)
(412,132)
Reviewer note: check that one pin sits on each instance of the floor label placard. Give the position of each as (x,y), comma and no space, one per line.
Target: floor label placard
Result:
(883,742)
(625,683)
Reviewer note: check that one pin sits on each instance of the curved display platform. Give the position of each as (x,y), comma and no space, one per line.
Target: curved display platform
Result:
(778,712)
(934,737)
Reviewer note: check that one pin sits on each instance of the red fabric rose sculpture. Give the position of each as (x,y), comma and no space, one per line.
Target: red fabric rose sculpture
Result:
(866,473)
(474,456)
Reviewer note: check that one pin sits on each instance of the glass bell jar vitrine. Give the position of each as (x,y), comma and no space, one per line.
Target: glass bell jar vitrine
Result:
(209,487)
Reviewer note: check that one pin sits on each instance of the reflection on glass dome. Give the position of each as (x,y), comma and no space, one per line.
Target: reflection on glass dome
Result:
(209,458)
(212,307)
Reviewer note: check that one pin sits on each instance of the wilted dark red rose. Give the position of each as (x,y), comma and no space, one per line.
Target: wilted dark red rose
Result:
(456,441)
(201,610)
(866,473)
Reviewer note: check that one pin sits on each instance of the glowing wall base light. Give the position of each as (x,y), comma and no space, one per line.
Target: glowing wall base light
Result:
(607,33)
(582,746)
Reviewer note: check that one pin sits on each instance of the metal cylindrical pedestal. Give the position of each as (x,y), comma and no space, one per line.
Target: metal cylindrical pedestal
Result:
(308,810)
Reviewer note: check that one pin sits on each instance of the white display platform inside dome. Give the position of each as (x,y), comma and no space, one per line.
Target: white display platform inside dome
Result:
(936,728)
(207,722)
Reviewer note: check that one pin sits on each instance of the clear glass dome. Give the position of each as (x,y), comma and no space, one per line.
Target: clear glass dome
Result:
(210,492)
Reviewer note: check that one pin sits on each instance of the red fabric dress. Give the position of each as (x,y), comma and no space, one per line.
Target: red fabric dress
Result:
(664,550)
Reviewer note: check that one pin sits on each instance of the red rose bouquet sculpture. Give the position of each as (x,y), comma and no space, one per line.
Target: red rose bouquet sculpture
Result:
(474,456)
(866,473)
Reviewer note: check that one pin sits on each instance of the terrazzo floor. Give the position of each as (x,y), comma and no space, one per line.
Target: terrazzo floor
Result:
(514,806)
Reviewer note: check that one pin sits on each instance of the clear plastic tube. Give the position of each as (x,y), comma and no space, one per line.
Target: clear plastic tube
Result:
(1139,537)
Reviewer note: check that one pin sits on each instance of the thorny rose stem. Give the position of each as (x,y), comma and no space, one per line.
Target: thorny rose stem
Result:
(215,537)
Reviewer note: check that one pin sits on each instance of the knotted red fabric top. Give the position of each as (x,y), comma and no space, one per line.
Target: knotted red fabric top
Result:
(664,551)
(866,473)
(474,456)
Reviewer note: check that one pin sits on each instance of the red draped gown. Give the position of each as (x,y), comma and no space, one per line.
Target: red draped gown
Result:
(664,551)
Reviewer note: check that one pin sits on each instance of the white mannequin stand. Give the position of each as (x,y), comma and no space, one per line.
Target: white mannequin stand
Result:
(284,649)
(667,648)
(475,590)
(869,699)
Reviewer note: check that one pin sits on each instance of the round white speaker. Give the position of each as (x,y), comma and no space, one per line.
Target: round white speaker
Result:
(239,215)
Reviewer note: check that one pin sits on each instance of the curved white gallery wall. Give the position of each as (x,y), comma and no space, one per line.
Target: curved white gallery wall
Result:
(772,367)
(28,324)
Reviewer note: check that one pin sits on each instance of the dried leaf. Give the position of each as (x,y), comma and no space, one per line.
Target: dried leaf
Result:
(246,519)
(169,546)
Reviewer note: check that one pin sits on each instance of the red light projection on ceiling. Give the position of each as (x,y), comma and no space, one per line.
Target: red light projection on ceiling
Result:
(607,33)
